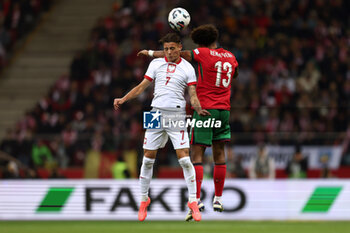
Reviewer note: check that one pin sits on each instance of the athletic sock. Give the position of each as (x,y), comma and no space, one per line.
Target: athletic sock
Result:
(216,198)
(190,177)
(198,167)
(146,176)
(219,178)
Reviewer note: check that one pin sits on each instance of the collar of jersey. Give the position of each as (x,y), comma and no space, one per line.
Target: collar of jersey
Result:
(173,62)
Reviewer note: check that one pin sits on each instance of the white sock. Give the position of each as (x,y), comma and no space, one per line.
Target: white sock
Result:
(217,198)
(190,177)
(146,174)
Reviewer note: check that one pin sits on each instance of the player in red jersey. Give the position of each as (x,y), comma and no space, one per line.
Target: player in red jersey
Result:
(216,69)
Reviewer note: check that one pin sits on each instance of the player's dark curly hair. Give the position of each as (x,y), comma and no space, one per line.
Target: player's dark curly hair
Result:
(170,37)
(205,34)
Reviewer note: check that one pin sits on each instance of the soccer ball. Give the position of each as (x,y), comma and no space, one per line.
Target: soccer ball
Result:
(178,19)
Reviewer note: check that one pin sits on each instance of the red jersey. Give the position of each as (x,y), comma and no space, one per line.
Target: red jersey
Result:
(216,68)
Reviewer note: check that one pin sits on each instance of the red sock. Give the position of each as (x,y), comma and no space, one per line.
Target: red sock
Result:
(199,177)
(219,179)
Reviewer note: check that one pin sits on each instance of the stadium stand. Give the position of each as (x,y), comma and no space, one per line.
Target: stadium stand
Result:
(17,19)
(293,87)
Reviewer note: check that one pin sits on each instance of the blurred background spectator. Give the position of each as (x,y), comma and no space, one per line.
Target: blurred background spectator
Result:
(234,165)
(326,172)
(120,169)
(12,171)
(297,167)
(41,154)
(262,166)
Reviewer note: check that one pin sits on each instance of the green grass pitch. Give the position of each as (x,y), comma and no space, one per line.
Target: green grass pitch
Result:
(173,227)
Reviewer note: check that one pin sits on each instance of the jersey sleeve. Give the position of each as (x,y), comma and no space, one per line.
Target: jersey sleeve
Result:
(191,77)
(199,54)
(150,73)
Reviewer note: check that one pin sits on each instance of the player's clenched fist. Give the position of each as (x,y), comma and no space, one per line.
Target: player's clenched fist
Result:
(143,53)
(117,103)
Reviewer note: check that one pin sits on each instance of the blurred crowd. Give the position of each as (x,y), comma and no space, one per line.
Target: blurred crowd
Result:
(293,85)
(17,18)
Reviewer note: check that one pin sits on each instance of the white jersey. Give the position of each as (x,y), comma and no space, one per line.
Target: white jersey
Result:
(171,80)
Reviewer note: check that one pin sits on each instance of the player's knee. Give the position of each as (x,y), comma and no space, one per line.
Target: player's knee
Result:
(185,162)
(197,158)
(197,153)
(147,162)
(219,159)
(219,155)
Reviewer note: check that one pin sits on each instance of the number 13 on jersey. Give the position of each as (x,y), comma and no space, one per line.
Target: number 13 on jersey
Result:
(219,68)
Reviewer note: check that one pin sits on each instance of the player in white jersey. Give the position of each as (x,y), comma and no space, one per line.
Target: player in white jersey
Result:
(171,75)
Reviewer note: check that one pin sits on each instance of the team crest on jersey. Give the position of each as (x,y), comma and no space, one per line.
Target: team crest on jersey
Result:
(171,68)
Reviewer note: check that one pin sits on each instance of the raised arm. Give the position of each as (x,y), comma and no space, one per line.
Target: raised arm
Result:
(151,53)
(136,91)
(195,102)
(186,54)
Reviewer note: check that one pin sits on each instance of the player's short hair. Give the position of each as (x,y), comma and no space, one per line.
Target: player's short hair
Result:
(205,34)
(170,37)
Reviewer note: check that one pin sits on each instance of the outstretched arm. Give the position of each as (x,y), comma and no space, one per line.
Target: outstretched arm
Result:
(186,54)
(151,53)
(136,91)
(195,102)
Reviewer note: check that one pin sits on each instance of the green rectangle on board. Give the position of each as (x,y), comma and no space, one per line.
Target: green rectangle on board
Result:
(322,199)
(55,199)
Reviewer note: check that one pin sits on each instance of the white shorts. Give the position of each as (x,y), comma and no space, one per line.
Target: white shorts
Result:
(157,138)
